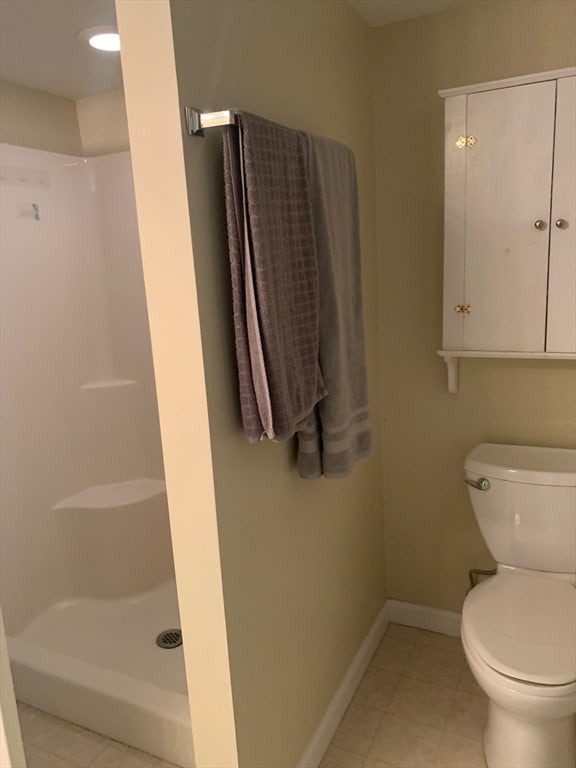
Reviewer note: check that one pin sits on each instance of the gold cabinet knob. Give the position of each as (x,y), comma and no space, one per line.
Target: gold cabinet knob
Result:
(466,309)
(458,308)
(561,223)
(540,224)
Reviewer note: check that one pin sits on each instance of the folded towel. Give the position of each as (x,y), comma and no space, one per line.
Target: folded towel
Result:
(337,433)
(274,276)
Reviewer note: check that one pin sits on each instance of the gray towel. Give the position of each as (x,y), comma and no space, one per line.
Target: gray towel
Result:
(274,276)
(337,433)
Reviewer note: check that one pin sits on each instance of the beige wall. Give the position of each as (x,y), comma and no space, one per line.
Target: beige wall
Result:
(303,561)
(31,118)
(94,125)
(432,537)
(102,121)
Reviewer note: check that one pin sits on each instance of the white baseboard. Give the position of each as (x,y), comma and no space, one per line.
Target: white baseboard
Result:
(423,617)
(344,693)
(397,612)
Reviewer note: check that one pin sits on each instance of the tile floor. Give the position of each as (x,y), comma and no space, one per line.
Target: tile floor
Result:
(418,706)
(53,743)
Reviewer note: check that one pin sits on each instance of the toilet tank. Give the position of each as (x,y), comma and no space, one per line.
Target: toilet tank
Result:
(527,514)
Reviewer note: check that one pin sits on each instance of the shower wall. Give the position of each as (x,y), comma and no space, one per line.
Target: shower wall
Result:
(77,391)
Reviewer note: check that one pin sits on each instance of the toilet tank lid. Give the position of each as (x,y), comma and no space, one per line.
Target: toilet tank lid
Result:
(524,463)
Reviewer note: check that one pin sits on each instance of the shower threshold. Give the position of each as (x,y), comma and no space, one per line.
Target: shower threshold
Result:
(96,663)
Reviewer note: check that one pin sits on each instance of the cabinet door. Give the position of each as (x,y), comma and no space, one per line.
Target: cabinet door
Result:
(508,189)
(561,330)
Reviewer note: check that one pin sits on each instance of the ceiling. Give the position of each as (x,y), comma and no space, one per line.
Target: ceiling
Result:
(38,46)
(39,49)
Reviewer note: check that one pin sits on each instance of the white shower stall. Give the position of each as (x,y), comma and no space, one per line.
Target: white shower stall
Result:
(87,581)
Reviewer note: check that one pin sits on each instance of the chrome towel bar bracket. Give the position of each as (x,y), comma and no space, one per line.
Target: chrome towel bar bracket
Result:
(197,120)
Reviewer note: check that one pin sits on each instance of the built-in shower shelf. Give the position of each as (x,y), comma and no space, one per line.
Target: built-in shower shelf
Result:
(114,494)
(108,384)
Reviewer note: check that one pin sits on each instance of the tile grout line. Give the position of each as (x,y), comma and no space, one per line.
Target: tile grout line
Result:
(72,728)
(97,757)
(412,645)
(65,728)
(384,713)
(414,648)
(445,728)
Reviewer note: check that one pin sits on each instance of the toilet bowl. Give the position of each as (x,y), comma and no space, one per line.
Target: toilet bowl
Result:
(519,626)
(518,634)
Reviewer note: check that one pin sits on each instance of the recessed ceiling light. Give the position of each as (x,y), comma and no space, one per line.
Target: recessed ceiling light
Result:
(101,38)
(106,41)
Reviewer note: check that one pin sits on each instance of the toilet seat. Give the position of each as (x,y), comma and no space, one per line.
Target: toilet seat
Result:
(524,627)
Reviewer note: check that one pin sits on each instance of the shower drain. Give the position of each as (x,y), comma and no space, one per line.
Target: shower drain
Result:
(170,638)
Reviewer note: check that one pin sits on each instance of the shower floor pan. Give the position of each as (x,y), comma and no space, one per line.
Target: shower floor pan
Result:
(96,664)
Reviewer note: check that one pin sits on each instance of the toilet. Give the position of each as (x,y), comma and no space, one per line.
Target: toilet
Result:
(519,626)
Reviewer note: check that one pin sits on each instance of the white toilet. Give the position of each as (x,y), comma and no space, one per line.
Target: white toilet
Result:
(519,626)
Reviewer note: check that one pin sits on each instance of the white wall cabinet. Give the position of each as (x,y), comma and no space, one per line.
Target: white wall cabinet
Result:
(561,329)
(510,223)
